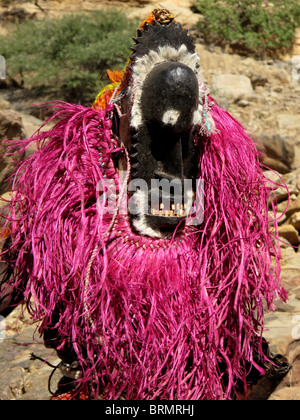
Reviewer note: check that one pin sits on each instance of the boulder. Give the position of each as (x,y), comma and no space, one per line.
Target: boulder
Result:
(289,233)
(10,125)
(31,124)
(16,14)
(279,194)
(274,177)
(11,128)
(295,220)
(293,207)
(278,152)
(288,121)
(4,104)
(234,86)
(288,393)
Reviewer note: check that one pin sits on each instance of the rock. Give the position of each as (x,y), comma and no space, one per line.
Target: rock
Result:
(281,218)
(287,393)
(295,220)
(233,86)
(274,177)
(290,122)
(20,377)
(31,124)
(278,89)
(296,42)
(279,152)
(290,268)
(9,83)
(297,183)
(292,178)
(278,331)
(283,243)
(11,128)
(4,104)
(243,103)
(275,164)
(289,389)
(293,207)
(180,8)
(290,233)
(16,14)
(10,125)
(281,187)
(283,76)
(282,207)
(281,193)
(257,79)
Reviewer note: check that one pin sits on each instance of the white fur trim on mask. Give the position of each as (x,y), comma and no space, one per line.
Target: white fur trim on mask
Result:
(140,224)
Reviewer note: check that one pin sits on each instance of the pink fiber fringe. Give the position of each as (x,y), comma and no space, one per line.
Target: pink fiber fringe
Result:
(147,318)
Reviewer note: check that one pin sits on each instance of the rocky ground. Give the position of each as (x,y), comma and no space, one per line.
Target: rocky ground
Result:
(264,97)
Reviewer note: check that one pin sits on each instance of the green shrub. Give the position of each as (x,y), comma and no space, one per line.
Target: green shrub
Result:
(260,28)
(67,57)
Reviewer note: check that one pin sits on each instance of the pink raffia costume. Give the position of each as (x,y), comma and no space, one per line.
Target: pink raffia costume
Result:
(146,301)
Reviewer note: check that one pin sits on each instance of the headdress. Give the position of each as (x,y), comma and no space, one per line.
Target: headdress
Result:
(149,302)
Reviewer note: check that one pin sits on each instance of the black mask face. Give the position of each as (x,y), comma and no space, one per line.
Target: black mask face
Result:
(159,117)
